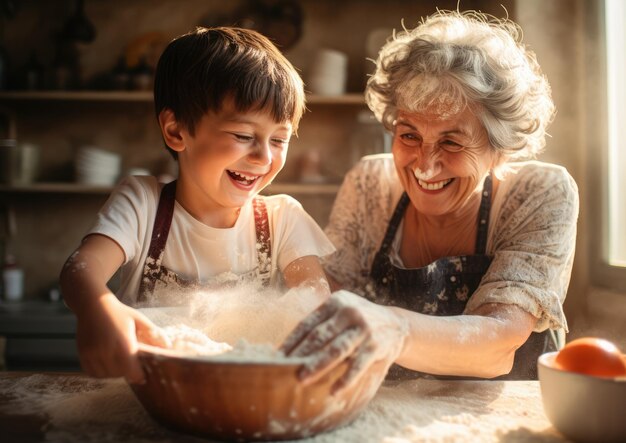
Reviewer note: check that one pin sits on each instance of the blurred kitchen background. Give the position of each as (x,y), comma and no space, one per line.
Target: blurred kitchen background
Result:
(76,114)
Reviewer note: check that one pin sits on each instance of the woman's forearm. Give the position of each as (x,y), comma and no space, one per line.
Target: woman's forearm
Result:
(481,345)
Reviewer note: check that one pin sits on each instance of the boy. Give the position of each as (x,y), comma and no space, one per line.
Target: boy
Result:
(227,102)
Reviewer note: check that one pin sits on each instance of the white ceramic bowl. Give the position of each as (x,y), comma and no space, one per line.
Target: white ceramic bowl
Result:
(97,153)
(96,179)
(583,407)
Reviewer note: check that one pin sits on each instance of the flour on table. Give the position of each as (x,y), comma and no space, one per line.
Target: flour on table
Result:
(83,409)
(230,325)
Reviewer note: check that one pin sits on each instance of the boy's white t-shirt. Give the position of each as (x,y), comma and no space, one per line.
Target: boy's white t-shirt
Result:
(199,252)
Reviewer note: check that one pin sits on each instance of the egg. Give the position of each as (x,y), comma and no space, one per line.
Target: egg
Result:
(592,356)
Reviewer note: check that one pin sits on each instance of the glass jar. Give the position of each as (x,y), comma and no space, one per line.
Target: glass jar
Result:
(368,137)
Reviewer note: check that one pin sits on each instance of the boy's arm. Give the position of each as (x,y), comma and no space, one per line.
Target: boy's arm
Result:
(87,271)
(107,330)
(307,271)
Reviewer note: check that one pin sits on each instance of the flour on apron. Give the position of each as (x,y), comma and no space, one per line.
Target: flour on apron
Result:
(156,276)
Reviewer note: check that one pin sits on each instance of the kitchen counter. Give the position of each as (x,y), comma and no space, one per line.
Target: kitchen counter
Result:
(39,336)
(70,407)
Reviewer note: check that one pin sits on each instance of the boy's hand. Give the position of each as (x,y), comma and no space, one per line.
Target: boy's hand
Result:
(107,337)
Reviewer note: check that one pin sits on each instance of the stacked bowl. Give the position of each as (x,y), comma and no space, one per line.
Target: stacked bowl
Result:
(97,167)
(328,73)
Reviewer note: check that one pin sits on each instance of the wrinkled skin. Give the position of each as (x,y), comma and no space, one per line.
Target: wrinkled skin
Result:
(346,328)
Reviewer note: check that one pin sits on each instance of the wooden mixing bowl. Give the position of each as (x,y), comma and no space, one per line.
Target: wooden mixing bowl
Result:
(238,400)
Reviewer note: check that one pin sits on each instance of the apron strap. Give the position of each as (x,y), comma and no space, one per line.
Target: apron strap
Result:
(263,240)
(483,216)
(160,232)
(394,222)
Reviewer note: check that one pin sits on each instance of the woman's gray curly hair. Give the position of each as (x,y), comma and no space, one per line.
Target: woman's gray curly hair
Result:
(457,59)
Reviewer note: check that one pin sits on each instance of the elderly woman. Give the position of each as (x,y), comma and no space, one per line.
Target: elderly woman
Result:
(465,250)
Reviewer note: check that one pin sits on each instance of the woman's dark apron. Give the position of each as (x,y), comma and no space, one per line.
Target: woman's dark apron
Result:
(156,275)
(443,287)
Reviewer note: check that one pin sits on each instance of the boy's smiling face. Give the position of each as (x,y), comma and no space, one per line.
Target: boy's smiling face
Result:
(231,157)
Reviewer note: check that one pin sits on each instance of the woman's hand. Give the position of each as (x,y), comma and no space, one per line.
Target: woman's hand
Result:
(347,328)
(107,336)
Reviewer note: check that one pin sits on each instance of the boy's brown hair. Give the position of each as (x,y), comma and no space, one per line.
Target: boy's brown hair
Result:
(200,69)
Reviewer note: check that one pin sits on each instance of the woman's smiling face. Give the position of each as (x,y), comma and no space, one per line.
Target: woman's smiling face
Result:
(441,161)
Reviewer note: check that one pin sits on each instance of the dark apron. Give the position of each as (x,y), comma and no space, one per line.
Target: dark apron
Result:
(155,274)
(443,287)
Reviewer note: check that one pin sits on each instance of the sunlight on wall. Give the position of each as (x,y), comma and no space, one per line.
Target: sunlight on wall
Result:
(616,73)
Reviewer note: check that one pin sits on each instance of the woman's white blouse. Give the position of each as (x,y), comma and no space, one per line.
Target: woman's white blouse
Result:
(532,235)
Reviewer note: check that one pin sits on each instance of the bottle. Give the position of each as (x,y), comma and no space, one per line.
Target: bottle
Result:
(4,69)
(120,75)
(12,279)
(310,167)
(34,71)
(143,76)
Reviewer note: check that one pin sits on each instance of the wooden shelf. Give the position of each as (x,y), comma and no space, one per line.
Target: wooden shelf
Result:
(146,96)
(56,188)
(77,188)
(84,96)
(345,99)
(302,188)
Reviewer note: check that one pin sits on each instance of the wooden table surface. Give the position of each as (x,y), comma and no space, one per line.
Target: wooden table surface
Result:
(66,407)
